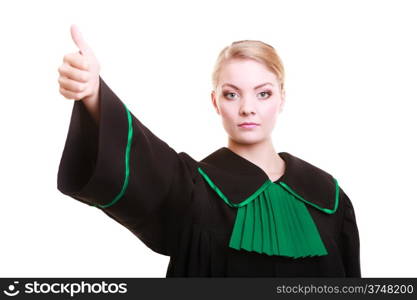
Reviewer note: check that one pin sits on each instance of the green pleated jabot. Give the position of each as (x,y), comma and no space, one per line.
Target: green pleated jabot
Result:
(274,224)
(274,221)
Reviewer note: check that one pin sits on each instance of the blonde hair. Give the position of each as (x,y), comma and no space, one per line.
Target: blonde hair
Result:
(250,49)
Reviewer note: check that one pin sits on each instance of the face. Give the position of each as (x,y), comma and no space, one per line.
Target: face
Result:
(247,92)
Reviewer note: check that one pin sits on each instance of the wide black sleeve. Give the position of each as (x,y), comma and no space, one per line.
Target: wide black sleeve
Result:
(349,242)
(122,168)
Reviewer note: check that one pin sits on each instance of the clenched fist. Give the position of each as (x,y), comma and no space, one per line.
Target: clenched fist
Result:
(79,74)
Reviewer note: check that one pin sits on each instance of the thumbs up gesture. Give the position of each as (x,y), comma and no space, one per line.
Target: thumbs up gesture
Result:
(79,73)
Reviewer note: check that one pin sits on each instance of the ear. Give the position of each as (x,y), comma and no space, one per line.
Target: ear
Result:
(213,101)
(281,108)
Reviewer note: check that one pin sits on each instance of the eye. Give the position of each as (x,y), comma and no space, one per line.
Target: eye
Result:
(268,93)
(226,94)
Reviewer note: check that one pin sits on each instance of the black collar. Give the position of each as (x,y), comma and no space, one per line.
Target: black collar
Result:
(238,178)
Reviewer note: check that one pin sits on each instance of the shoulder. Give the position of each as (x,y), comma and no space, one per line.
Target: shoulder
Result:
(311,182)
(304,169)
(188,164)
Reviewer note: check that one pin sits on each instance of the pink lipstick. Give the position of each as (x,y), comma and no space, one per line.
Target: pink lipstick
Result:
(248,125)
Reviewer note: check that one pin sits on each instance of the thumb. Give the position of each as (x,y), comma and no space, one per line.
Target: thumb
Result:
(79,40)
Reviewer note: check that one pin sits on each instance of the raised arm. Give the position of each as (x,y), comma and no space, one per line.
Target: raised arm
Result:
(116,164)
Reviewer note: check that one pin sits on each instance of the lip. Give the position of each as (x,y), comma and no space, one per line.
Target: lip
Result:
(248,125)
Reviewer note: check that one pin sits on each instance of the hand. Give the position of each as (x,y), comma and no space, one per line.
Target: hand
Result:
(79,73)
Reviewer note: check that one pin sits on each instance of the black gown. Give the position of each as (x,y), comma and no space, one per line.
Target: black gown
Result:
(218,217)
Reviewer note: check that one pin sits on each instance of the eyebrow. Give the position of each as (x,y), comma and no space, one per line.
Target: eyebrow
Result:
(256,87)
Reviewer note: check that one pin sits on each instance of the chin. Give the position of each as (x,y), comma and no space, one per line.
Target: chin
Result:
(247,140)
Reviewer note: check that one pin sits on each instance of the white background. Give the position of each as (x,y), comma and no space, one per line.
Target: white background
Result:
(351,105)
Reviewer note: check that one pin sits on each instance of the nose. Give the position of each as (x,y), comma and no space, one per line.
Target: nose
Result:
(246,106)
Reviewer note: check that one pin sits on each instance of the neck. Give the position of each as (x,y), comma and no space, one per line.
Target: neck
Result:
(263,154)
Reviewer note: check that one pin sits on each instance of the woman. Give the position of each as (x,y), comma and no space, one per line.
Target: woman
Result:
(244,210)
